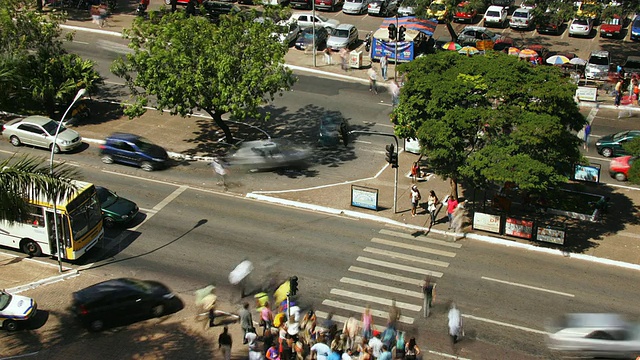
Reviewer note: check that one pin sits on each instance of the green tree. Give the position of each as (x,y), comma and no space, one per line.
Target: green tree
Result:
(490,119)
(25,177)
(188,63)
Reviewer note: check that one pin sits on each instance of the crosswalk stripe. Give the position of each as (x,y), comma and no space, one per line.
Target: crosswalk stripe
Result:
(384,275)
(343,319)
(421,238)
(375,299)
(399,266)
(398,255)
(360,309)
(414,247)
(391,289)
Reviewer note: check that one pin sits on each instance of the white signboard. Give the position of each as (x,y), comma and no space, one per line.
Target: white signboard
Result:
(486,222)
(587,93)
(364,197)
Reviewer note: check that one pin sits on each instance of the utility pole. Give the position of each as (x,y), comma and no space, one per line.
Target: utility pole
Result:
(395,64)
(313,31)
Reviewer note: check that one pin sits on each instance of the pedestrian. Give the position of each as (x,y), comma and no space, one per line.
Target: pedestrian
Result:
(350,328)
(452,204)
(384,66)
(347,355)
(432,206)
(385,354)
(587,132)
(428,295)
(636,91)
(458,217)
(455,324)
(394,90)
(272,353)
(367,322)
(400,344)
(254,349)
(269,339)
(221,171)
(415,197)
(411,350)
(224,343)
(327,56)
(344,54)
(266,318)
(375,344)
(618,93)
(246,321)
(394,315)
(415,172)
(321,349)
(373,77)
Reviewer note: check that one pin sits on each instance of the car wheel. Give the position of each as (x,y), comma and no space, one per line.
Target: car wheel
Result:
(146,166)
(607,152)
(31,248)
(157,310)
(107,159)
(109,222)
(55,147)
(15,141)
(96,325)
(620,177)
(10,325)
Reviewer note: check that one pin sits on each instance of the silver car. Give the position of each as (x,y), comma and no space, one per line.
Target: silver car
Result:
(355,7)
(270,154)
(343,36)
(40,131)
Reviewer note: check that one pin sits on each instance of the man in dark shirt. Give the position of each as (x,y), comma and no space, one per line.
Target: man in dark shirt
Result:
(224,343)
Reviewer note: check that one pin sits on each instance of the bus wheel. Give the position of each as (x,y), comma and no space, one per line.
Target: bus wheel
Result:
(10,325)
(31,248)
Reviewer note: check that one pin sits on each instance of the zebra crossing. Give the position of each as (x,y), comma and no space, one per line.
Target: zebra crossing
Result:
(392,267)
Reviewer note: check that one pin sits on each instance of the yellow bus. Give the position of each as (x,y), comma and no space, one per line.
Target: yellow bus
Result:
(79,225)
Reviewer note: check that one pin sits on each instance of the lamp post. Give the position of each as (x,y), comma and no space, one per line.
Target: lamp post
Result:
(80,93)
(313,31)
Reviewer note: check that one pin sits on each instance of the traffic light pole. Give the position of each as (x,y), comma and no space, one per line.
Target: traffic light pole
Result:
(395,68)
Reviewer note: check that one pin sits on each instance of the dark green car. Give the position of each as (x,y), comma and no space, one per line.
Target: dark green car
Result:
(116,210)
(611,145)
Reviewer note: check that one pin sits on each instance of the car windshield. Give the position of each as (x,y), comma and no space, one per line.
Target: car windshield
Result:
(493,14)
(463,9)
(489,33)
(598,60)
(636,23)
(106,196)
(341,33)
(520,14)
(581,22)
(137,284)
(620,135)
(632,64)
(613,21)
(322,18)
(355,1)
(51,126)
(5,299)
(144,144)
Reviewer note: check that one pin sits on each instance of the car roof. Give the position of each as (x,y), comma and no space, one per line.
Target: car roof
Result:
(600,53)
(594,320)
(102,289)
(123,136)
(477,28)
(345,27)
(36,119)
(495,8)
(633,58)
(527,10)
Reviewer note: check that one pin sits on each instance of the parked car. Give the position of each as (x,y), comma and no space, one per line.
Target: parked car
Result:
(382,7)
(522,18)
(594,335)
(465,12)
(438,10)
(631,66)
(611,27)
(507,4)
(39,131)
(581,27)
(115,301)
(270,154)
(550,25)
(300,4)
(407,8)
(495,16)
(14,309)
(343,36)
(215,9)
(619,167)
(598,65)
(330,5)
(133,150)
(116,210)
(355,7)
(612,145)
(471,34)
(306,38)
(306,20)
(635,28)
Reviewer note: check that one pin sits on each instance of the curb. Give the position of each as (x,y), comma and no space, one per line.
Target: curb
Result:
(50,280)
(455,236)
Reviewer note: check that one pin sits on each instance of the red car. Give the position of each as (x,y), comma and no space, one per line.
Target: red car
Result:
(619,167)
(465,13)
(611,27)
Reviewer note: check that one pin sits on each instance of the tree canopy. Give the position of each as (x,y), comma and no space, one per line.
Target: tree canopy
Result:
(186,63)
(490,119)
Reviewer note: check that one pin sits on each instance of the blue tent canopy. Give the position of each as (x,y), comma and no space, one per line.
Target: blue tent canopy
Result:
(426,27)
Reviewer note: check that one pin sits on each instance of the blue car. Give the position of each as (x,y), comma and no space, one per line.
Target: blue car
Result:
(133,150)
(635,28)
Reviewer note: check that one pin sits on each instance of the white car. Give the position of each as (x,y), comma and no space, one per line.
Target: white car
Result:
(343,36)
(306,20)
(495,16)
(407,8)
(522,18)
(14,308)
(355,7)
(581,27)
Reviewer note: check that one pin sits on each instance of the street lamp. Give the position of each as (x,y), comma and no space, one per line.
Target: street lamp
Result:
(80,93)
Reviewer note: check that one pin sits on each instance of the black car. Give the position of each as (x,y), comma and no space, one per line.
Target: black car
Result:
(133,150)
(118,301)
(550,25)
(306,38)
(215,9)
(115,209)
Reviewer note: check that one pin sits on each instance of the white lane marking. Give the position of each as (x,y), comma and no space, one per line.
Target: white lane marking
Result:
(421,238)
(628,234)
(399,267)
(139,178)
(414,247)
(375,299)
(80,42)
(447,355)
(386,276)
(343,319)
(386,288)
(397,255)
(162,204)
(592,114)
(148,210)
(362,142)
(360,309)
(504,324)
(114,83)
(528,286)
(596,158)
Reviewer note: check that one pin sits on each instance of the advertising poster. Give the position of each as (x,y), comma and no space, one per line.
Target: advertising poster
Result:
(486,222)
(364,197)
(587,173)
(518,228)
(551,234)
(405,50)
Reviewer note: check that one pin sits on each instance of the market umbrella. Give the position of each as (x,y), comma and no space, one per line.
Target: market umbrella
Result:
(557,60)
(513,51)
(577,61)
(240,272)
(527,53)
(468,50)
(452,46)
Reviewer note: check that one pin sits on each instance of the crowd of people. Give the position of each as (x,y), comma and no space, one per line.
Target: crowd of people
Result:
(455,208)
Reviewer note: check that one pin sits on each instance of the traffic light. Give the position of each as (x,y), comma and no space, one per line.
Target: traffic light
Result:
(392,32)
(344,133)
(293,285)
(401,33)
(391,156)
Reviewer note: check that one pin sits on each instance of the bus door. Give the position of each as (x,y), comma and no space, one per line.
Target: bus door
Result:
(62,227)
(51,232)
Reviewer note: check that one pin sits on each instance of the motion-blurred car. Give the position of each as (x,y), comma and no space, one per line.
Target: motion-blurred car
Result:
(611,27)
(344,36)
(635,28)
(306,38)
(465,12)
(39,131)
(495,16)
(116,210)
(581,27)
(329,135)
(120,300)
(306,20)
(15,308)
(382,7)
(133,150)
(438,10)
(619,167)
(594,335)
(269,154)
(355,7)
(612,145)
(522,18)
